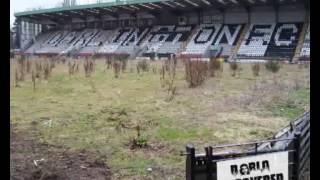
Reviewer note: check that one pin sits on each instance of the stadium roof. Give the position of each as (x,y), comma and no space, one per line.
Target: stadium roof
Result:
(134,6)
(87,6)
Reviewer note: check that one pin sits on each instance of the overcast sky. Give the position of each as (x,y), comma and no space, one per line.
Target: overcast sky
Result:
(21,5)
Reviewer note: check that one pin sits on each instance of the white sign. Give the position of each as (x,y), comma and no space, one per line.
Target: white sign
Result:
(272,166)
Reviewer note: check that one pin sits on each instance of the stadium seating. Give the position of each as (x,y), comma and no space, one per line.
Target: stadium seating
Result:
(121,35)
(131,45)
(40,40)
(270,40)
(227,38)
(202,39)
(93,45)
(174,42)
(284,40)
(156,38)
(59,42)
(256,40)
(305,51)
(261,40)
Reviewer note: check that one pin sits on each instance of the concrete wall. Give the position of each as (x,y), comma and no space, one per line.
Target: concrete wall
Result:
(263,14)
(292,13)
(167,18)
(235,15)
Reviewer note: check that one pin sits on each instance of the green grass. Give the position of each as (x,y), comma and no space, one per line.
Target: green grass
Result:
(294,106)
(85,114)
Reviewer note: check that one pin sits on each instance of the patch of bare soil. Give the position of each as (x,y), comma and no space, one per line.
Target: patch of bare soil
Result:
(33,161)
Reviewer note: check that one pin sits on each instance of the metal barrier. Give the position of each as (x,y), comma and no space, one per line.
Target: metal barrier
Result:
(294,139)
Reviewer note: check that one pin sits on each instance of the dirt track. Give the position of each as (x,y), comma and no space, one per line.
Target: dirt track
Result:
(56,163)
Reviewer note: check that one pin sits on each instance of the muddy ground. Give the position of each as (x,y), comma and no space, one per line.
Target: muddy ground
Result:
(34,161)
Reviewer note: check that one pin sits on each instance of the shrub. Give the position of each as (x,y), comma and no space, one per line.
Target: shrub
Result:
(47,67)
(234,68)
(28,66)
(21,67)
(108,62)
(63,60)
(89,67)
(139,141)
(169,68)
(124,63)
(116,68)
(38,66)
(162,76)
(154,69)
(52,64)
(143,66)
(255,69)
(196,72)
(215,66)
(16,77)
(273,66)
(33,77)
(71,67)
(77,67)
(22,74)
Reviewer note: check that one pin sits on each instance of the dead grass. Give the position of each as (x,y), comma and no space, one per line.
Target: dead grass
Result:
(68,112)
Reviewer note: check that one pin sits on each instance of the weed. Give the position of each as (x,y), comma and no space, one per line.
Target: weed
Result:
(28,66)
(273,66)
(16,77)
(234,67)
(143,66)
(124,64)
(71,67)
(255,69)
(196,72)
(46,69)
(108,62)
(139,141)
(89,67)
(38,66)
(169,66)
(116,68)
(215,66)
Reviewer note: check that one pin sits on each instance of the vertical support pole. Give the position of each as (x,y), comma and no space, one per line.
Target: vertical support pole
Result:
(277,12)
(297,155)
(209,162)
(256,147)
(248,9)
(199,17)
(18,33)
(190,162)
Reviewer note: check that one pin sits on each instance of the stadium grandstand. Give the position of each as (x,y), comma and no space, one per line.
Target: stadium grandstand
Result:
(233,29)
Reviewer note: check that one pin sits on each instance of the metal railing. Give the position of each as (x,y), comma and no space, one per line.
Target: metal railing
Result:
(294,138)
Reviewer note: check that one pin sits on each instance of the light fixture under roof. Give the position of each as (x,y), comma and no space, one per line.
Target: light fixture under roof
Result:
(127,8)
(192,3)
(155,5)
(146,6)
(168,4)
(206,2)
(221,1)
(234,1)
(179,4)
(110,10)
(134,7)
